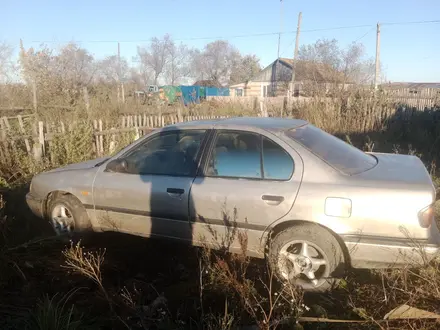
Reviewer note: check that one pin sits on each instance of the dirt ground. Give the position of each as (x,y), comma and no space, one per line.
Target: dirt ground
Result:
(152,284)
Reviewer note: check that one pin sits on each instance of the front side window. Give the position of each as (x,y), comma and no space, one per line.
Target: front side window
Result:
(249,156)
(168,153)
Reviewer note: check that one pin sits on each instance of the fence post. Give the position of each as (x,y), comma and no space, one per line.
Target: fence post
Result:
(112,146)
(34,95)
(3,131)
(42,148)
(86,98)
(95,133)
(179,114)
(7,126)
(23,131)
(101,139)
(263,110)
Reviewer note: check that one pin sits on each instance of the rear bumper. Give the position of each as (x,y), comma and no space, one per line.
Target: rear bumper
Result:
(35,204)
(373,252)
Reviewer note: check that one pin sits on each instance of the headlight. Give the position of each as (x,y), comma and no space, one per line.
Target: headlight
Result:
(426,216)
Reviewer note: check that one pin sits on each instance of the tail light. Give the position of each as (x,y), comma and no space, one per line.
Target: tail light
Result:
(426,216)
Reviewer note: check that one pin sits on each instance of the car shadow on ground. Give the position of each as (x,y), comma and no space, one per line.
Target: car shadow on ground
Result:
(147,268)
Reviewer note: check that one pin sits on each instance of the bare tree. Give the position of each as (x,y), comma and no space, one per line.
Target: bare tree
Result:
(6,63)
(76,65)
(141,76)
(356,67)
(325,61)
(155,56)
(216,62)
(64,73)
(247,67)
(113,70)
(178,65)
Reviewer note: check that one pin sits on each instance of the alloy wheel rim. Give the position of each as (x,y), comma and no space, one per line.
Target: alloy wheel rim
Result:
(303,262)
(62,220)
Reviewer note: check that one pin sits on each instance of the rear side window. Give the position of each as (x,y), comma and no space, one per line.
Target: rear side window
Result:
(278,164)
(248,155)
(337,153)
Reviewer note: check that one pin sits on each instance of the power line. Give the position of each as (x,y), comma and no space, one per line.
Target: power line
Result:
(217,37)
(411,22)
(356,40)
(245,35)
(364,35)
(287,48)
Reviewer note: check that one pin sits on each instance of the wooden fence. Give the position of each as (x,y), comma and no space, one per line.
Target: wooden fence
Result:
(410,101)
(419,103)
(38,135)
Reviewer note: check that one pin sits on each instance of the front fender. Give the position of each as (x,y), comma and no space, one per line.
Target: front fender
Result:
(79,183)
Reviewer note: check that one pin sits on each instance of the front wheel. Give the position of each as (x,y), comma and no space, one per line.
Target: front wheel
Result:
(308,256)
(67,215)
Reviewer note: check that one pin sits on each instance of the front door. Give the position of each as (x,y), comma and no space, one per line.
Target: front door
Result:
(249,181)
(150,196)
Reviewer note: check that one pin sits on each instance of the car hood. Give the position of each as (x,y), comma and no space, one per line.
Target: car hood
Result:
(80,166)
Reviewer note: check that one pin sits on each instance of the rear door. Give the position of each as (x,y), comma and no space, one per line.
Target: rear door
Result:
(249,180)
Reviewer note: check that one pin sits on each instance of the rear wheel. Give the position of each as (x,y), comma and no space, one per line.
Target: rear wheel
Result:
(67,215)
(308,256)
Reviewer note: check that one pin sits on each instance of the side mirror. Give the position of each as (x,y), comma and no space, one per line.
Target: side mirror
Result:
(117,165)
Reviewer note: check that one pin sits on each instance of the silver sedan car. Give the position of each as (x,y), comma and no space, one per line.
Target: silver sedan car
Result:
(308,202)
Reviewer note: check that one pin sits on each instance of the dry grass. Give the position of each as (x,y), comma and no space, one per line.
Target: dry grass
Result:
(180,289)
(53,314)
(369,121)
(87,264)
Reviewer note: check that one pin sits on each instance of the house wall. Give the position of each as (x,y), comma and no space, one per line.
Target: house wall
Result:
(252,88)
(264,76)
(274,78)
(278,71)
(414,92)
(258,88)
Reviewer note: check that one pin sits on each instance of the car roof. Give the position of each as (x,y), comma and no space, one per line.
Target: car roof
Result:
(266,123)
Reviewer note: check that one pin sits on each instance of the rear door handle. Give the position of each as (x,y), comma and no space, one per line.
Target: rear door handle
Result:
(272,200)
(175,191)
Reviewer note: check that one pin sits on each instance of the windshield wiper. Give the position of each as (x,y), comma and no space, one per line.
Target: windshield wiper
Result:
(101,162)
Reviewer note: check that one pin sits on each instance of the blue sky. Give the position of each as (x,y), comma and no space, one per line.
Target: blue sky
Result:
(408,53)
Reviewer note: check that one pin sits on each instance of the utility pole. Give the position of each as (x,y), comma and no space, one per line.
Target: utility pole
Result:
(377,74)
(33,78)
(275,83)
(295,54)
(119,74)
(281,28)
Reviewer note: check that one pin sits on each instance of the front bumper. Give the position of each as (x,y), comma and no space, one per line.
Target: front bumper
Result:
(35,204)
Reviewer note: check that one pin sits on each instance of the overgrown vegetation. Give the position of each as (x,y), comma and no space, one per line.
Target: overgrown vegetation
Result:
(48,283)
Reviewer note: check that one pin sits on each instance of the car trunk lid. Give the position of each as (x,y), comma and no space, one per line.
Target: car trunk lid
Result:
(402,170)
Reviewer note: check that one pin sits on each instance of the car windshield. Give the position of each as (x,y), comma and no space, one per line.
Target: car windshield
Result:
(337,153)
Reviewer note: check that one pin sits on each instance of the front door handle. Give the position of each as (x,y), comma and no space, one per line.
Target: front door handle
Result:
(175,191)
(272,199)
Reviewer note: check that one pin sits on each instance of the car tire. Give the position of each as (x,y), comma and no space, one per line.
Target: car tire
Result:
(326,262)
(68,209)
